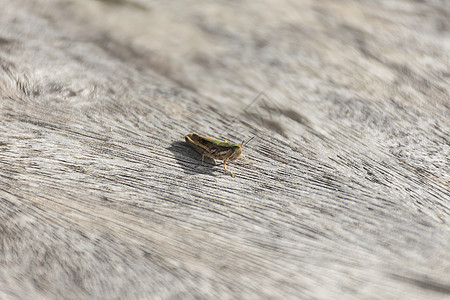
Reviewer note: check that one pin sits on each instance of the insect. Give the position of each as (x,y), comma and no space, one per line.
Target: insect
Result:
(216,149)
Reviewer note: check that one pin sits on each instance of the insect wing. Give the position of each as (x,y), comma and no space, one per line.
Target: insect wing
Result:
(212,142)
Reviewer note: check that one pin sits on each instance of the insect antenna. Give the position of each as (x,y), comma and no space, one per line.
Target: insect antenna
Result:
(245,144)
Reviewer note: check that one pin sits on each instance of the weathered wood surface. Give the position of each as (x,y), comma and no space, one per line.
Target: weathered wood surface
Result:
(348,195)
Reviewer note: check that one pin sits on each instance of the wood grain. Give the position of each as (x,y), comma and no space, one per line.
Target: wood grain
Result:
(348,194)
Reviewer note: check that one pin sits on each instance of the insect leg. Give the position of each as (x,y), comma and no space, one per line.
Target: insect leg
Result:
(225,167)
(248,163)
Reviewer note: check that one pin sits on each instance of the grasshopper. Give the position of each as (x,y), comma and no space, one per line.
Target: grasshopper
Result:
(216,149)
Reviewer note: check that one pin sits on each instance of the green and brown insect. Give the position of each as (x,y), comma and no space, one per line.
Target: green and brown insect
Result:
(216,149)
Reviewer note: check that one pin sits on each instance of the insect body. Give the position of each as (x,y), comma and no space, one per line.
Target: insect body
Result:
(216,149)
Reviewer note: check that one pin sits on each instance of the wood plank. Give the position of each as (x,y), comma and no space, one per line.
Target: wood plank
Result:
(348,194)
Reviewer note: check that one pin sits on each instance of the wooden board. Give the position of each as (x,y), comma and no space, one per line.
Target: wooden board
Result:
(348,194)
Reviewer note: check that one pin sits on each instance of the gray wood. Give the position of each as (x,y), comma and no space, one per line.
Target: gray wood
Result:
(348,194)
